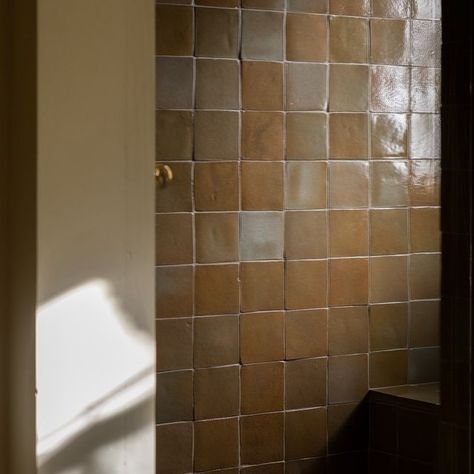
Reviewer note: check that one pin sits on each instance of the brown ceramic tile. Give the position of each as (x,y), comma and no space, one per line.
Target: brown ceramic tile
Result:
(388,279)
(262,388)
(309,6)
(388,368)
(216,186)
(217,84)
(261,337)
(348,88)
(261,438)
(348,185)
(261,286)
(306,466)
(174,30)
(262,85)
(425,276)
(217,32)
(423,365)
(425,136)
(388,231)
(217,237)
(349,39)
(389,135)
(426,43)
(174,448)
(306,334)
(174,135)
(216,444)
(174,239)
(305,383)
(352,8)
(347,378)
(348,281)
(348,136)
(306,86)
(216,392)
(274,468)
(306,37)
(262,35)
(391,8)
(219,3)
(388,326)
(306,185)
(174,396)
(305,433)
(216,136)
(349,233)
(174,344)
(425,230)
(313,226)
(262,135)
(389,89)
(261,235)
(177,2)
(425,177)
(174,83)
(262,186)
(264,4)
(348,330)
(424,323)
(216,341)
(389,184)
(306,136)
(390,42)
(174,291)
(306,284)
(175,196)
(425,90)
(217,289)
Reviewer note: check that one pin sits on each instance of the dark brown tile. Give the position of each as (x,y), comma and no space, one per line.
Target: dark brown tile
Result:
(216,392)
(425,230)
(275,468)
(355,463)
(348,281)
(313,226)
(262,85)
(388,368)
(306,185)
(388,326)
(425,276)
(174,135)
(174,342)
(174,291)
(261,438)
(264,4)
(347,378)
(352,8)
(424,365)
(309,6)
(389,184)
(175,196)
(256,394)
(262,135)
(348,185)
(389,135)
(348,136)
(174,448)
(174,83)
(390,41)
(424,323)
(174,396)
(388,279)
(174,239)
(349,233)
(348,88)
(306,86)
(348,330)
(349,40)
(174,30)
(306,136)
(217,289)
(219,3)
(388,231)
(262,186)
(262,286)
(306,37)
(262,337)
(306,466)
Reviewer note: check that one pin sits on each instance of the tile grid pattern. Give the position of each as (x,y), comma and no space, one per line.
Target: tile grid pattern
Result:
(222,230)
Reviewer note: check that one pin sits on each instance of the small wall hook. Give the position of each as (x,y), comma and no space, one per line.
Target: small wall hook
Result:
(163,174)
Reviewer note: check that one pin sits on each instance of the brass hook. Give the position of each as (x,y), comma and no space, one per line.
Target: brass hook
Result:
(163,174)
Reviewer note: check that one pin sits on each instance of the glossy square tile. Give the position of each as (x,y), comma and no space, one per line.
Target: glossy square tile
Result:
(388,231)
(424,323)
(174,448)
(388,368)
(348,136)
(390,91)
(425,276)
(389,184)
(352,8)
(423,365)
(313,226)
(174,396)
(306,185)
(174,135)
(389,135)
(216,136)
(305,383)
(174,30)
(425,136)
(217,32)
(262,85)
(256,397)
(262,135)
(347,378)
(306,37)
(306,334)
(217,289)
(388,326)
(348,330)
(306,136)
(306,284)
(174,344)
(217,84)
(348,185)
(391,8)
(425,177)
(348,88)
(306,86)
(216,392)
(262,186)
(348,281)
(425,230)
(174,83)
(261,235)
(274,468)
(308,6)
(262,35)
(217,237)
(176,196)
(390,42)
(174,239)
(216,186)
(426,43)
(349,233)
(388,279)
(264,4)
(216,341)
(174,291)
(349,39)
(425,89)
(427,9)
(262,337)
(261,438)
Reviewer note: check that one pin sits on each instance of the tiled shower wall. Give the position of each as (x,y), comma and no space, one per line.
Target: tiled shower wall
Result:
(298,244)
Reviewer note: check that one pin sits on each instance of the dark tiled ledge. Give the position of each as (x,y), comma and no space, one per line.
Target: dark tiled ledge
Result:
(423,396)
